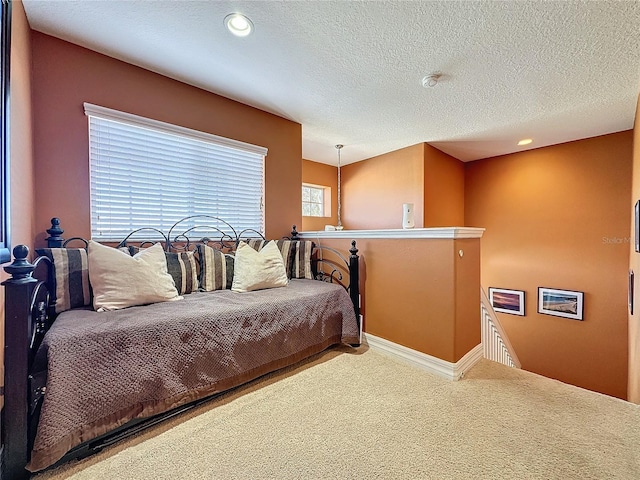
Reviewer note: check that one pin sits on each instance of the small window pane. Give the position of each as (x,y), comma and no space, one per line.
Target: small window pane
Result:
(316,211)
(312,201)
(316,195)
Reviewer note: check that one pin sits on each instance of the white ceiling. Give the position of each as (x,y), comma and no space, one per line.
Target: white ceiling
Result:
(351,71)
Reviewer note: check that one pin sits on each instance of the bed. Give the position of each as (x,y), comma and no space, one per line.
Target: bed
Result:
(79,380)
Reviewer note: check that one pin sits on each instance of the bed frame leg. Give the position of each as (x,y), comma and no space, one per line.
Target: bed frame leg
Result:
(15,420)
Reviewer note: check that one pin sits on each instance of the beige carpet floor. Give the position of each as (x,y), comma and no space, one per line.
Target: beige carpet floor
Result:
(358,414)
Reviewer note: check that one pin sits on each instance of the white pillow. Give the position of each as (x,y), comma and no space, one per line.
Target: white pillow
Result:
(119,280)
(254,270)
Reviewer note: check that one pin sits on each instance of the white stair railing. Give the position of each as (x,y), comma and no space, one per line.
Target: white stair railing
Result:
(495,343)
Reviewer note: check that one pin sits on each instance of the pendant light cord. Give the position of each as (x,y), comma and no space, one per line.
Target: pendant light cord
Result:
(339,147)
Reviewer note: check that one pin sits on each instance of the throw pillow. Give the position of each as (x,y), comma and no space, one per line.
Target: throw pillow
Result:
(255,270)
(119,280)
(70,274)
(255,243)
(216,268)
(295,253)
(182,268)
(300,258)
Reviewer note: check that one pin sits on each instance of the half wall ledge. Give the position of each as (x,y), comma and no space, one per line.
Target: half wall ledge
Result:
(436,232)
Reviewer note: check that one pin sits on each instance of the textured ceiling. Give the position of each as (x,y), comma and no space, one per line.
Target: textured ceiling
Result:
(351,71)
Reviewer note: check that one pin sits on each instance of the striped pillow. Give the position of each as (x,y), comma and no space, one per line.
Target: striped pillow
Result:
(216,269)
(301,251)
(230,261)
(295,253)
(70,277)
(255,243)
(182,267)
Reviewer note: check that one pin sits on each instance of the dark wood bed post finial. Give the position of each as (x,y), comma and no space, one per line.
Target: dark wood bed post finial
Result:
(55,240)
(18,291)
(294,233)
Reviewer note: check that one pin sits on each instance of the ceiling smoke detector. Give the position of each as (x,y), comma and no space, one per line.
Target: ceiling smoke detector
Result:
(430,81)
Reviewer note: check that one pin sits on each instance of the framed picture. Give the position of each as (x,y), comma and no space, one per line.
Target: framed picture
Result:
(561,303)
(507,301)
(636,226)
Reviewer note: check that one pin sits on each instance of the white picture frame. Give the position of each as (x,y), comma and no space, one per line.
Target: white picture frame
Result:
(561,303)
(507,301)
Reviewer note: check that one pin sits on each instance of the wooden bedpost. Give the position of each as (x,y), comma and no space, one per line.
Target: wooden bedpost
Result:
(18,291)
(55,240)
(354,281)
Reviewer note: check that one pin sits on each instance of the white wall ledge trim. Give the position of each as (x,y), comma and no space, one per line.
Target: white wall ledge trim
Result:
(448,370)
(440,232)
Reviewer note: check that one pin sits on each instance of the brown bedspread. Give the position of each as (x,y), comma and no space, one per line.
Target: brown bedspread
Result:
(107,368)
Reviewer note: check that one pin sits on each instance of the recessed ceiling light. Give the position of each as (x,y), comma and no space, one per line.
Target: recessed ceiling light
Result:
(525,141)
(238,24)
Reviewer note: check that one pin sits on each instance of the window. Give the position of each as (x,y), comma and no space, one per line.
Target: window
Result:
(146,173)
(316,200)
(5,36)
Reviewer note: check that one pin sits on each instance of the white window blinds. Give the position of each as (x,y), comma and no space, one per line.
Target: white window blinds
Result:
(146,173)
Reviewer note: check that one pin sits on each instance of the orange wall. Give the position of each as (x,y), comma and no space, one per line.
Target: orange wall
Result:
(443,189)
(66,75)
(21,154)
(634,264)
(466,265)
(420,293)
(327,176)
(22,162)
(374,190)
(558,217)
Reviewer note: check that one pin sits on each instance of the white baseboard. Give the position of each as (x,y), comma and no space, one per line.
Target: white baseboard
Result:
(448,370)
